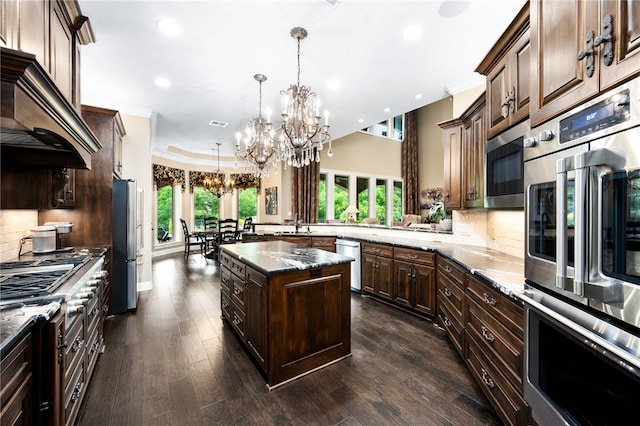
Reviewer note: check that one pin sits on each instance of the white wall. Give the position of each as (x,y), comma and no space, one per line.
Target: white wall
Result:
(136,164)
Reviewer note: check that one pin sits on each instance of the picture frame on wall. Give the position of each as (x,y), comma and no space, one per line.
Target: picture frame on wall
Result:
(271,200)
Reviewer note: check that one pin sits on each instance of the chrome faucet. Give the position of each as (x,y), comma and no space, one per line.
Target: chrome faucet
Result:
(297,223)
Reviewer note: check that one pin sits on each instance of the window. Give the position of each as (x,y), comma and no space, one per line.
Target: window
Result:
(397,201)
(164,209)
(322,198)
(362,184)
(205,204)
(247,204)
(340,197)
(392,128)
(374,196)
(381,200)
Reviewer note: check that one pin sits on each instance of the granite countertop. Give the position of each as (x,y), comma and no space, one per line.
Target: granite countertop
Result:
(502,271)
(275,257)
(16,320)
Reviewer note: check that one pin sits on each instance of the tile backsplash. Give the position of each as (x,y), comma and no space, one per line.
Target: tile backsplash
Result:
(15,225)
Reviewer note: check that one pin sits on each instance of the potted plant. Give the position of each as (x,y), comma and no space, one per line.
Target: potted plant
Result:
(437,212)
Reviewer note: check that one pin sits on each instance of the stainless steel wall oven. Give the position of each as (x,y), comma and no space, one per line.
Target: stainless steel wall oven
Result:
(582,262)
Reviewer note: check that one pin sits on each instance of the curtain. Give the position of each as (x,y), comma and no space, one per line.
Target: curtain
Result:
(164,175)
(411,204)
(304,189)
(245,180)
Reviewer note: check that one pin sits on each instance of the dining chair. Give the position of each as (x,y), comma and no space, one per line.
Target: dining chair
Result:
(210,231)
(191,239)
(227,234)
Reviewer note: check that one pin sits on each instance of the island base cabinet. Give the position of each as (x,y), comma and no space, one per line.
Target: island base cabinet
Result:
(256,321)
(310,318)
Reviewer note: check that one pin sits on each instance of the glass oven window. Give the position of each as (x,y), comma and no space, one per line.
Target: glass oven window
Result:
(542,221)
(621,225)
(586,387)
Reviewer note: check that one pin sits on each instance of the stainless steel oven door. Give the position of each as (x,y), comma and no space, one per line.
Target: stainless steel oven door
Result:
(579,369)
(541,204)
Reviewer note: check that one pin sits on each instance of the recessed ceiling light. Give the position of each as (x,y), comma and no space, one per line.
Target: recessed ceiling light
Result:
(168,27)
(387,109)
(412,32)
(360,120)
(163,82)
(418,96)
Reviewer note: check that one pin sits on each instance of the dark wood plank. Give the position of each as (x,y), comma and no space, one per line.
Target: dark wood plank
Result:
(174,362)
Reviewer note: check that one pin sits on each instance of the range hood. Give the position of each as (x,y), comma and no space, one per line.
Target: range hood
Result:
(38,125)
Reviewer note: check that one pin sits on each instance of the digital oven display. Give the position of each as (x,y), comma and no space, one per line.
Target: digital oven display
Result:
(607,113)
(603,112)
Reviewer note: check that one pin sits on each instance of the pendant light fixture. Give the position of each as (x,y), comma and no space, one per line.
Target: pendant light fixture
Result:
(218,184)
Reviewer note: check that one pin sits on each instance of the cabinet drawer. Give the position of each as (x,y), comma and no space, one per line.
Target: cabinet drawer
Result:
(225,279)
(507,311)
(225,259)
(497,340)
(450,291)
(237,267)
(238,291)
(225,303)
(377,249)
(447,268)
(75,341)
(73,392)
(415,256)
(238,320)
(506,399)
(301,241)
(253,238)
(322,243)
(15,367)
(452,325)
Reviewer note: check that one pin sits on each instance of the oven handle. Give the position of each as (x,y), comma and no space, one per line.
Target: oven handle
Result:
(563,166)
(619,356)
(582,286)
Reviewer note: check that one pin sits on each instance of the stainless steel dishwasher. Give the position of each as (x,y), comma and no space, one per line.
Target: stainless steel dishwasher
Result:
(352,249)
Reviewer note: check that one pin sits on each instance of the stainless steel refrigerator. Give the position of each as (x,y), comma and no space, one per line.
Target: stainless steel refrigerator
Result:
(124,291)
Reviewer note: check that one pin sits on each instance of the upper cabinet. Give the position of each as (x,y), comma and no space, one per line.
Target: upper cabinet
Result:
(578,49)
(464,139)
(507,67)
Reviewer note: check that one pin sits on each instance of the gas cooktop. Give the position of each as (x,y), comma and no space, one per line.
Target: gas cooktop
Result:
(36,277)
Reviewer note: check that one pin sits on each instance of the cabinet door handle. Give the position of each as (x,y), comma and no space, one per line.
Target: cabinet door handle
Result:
(487,334)
(606,40)
(588,53)
(413,256)
(448,269)
(447,292)
(236,291)
(489,300)
(447,322)
(487,379)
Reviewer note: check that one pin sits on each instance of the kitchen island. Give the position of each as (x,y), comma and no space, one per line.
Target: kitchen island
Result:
(289,305)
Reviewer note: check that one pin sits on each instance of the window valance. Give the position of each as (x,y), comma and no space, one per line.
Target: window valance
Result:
(245,180)
(164,175)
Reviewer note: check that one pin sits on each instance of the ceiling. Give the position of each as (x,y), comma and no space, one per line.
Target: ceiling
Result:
(354,58)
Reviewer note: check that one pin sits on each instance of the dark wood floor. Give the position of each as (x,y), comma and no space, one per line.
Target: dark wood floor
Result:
(174,362)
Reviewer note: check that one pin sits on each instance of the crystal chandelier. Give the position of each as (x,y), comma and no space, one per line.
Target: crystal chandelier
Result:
(303,135)
(258,150)
(218,184)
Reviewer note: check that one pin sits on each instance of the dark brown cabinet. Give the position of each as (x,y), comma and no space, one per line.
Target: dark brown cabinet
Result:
(495,344)
(452,141)
(464,139)
(324,243)
(474,137)
(507,67)
(377,269)
(414,279)
(579,48)
(16,377)
(451,301)
(256,330)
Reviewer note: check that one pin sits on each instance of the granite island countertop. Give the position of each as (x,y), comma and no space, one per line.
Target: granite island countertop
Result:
(16,320)
(275,257)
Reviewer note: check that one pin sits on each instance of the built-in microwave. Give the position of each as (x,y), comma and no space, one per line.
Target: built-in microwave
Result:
(504,170)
